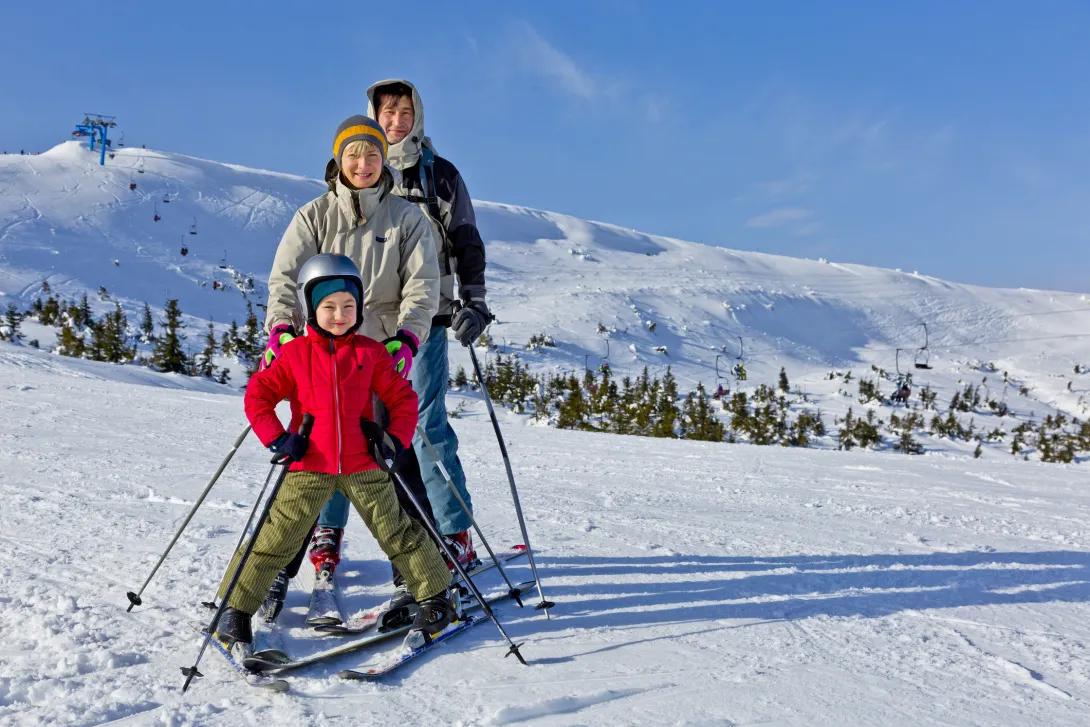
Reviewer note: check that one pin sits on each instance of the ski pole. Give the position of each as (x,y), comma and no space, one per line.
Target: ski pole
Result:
(191,671)
(544,605)
(513,593)
(374,434)
(246,529)
(134,598)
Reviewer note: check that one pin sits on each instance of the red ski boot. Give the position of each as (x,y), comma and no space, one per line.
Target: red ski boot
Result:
(325,550)
(461,545)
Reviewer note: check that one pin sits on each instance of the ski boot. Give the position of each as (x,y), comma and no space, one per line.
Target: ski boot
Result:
(234,627)
(325,551)
(402,608)
(434,615)
(274,601)
(461,545)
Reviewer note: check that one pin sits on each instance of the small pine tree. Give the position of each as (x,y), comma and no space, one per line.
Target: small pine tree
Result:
(572,412)
(147,326)
(168,355)
(251,343)
(69,343)
(12,320)
(978,451)
(84,316)
(204,365)
(460,378)
(784,384)
(224,377)
(108,337)
(698,421)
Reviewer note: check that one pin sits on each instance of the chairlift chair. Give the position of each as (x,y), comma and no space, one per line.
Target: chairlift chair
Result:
(132,184)
(739,369)
(193,227)
(140,166)
(166,198)
(157,217)
(604,367)
(720,390)
(121,141)
(923,356)
(185,250)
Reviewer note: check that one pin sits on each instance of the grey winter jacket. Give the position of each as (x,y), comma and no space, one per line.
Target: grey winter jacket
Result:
(388,238)
(457,240)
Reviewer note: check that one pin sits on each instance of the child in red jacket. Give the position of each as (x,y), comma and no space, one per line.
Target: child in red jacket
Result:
(331,374)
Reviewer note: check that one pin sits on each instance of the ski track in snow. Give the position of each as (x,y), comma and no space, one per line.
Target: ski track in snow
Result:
(696,584)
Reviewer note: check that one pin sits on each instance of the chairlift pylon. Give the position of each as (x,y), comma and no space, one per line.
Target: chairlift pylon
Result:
(923,356)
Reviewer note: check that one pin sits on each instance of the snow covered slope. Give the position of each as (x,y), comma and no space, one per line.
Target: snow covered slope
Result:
(66,220)
(696,583)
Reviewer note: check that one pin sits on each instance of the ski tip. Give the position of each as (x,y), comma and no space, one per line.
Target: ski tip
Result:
(521,547)
(544,606)
(353,675)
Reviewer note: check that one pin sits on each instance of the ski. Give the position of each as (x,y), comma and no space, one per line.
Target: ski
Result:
(324,607)
(268,646)
(407,653)
(258,681)
(364,620)
(373,638)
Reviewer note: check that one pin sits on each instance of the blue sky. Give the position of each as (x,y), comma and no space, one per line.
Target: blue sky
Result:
(948,138)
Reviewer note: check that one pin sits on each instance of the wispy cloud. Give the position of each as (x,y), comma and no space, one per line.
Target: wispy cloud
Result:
(554,66)
(780,217)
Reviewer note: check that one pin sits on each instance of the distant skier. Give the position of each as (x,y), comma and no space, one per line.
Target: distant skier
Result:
(391,241)
(434,184)
(331,363)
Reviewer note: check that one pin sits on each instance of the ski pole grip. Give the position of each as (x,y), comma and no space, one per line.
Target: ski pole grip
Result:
(306,426)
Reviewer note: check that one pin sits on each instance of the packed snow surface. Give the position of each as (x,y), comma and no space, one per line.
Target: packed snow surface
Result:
(695,583)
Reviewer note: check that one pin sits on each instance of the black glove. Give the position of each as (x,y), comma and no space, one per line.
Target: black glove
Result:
(470,321)
(289,448)
(384,448)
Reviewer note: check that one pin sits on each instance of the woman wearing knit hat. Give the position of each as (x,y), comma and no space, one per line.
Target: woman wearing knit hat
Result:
(390,240)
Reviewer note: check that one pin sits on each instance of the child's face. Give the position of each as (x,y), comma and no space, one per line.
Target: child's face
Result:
(336,312)
(362,167)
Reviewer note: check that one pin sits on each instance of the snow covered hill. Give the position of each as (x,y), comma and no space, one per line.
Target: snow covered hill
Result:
(598,290)
(696,583)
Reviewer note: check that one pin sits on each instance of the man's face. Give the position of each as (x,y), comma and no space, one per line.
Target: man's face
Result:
(396,117)
(362,167)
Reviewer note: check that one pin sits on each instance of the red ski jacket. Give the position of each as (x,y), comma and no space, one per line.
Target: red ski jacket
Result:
(333,380)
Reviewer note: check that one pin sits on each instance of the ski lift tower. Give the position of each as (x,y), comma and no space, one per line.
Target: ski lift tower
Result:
(96,127)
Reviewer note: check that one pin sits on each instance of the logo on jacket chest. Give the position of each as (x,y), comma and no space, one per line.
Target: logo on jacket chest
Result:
(379,239)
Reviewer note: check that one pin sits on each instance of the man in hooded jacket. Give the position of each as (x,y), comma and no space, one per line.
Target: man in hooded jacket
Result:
(435,185)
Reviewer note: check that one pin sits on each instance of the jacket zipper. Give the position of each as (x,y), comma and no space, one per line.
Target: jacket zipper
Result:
(336,401)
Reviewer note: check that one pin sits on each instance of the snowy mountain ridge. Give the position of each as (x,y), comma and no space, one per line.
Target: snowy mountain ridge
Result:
(598,290)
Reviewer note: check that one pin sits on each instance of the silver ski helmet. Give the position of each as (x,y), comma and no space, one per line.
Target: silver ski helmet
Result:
(329,267)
